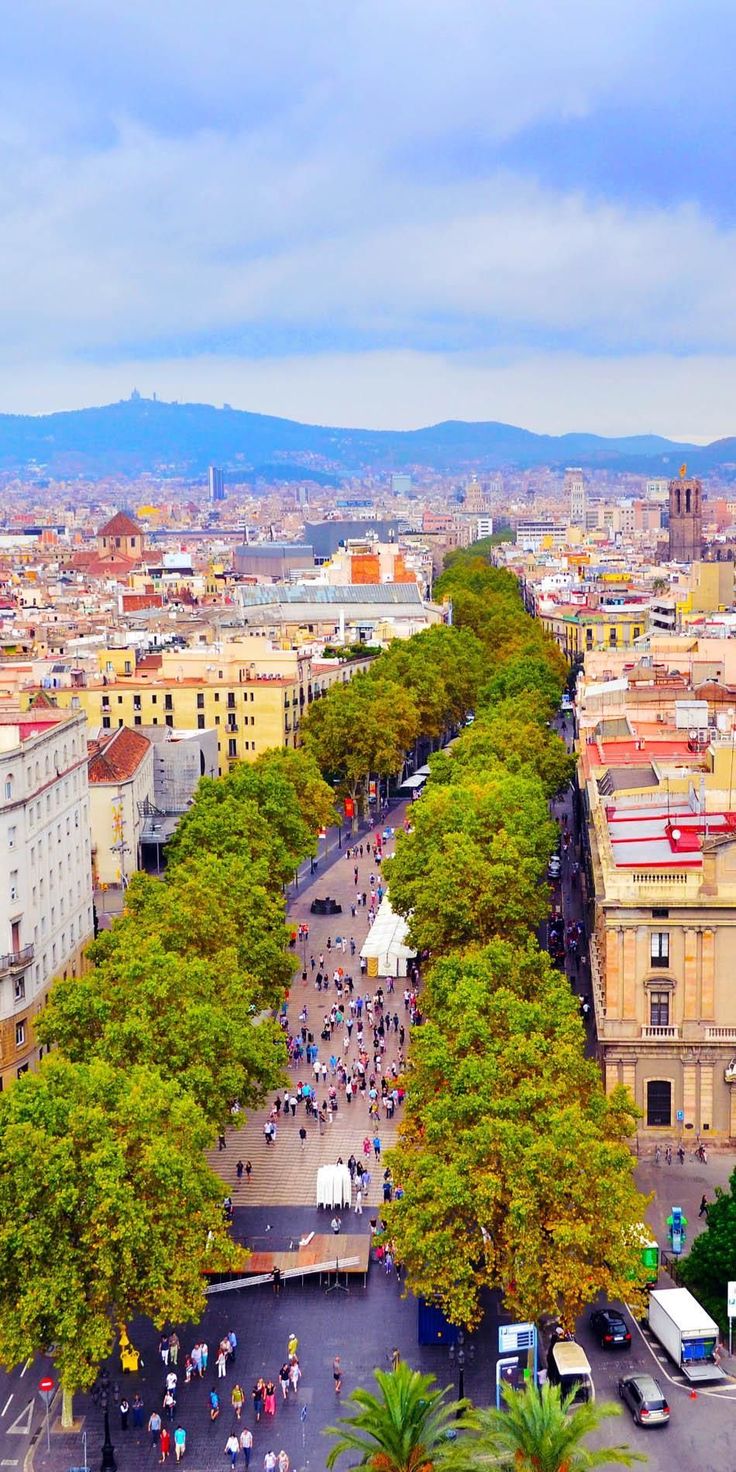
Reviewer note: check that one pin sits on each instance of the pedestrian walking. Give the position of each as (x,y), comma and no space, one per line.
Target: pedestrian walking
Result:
(204,1351)
(703,1205)
(154,1426)
(246,1444)
(303,1137)
(284,1380)
(172,1380)
(239,1170)
(295,1376)
(237,1398)
(377,1146)
(258,1389)
(221,1142)
(170,1404)
(337,1374)
(248,1166)
(180,1442)
(214,1404)
(125,1408)
(292,1346)
(284,1462)
(359,1202)
(221,1363)
(165,1443)
(269,1462)
(232,1447)
(163,1348)
(137,1412)
(269,1398)
(174,1346)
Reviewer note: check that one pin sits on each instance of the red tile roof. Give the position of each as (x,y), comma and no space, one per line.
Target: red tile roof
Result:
(120,525)
(115,756)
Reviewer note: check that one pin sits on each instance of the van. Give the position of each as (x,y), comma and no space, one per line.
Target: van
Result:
(568,1367)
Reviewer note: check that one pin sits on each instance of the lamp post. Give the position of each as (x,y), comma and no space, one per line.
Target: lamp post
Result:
(108,1463)
(461,1354)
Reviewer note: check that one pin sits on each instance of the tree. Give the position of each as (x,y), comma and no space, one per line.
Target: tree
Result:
(514,733)
(539,1431)
(107,1209)
(527,671)
(208,905)
(270,809)
(443,667)
(711,1262)
(359,729)
(193,1020)
(406,1427)
(514,1165)
(472,866)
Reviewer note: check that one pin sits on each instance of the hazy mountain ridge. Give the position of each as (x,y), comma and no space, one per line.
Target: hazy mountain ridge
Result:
(138,435)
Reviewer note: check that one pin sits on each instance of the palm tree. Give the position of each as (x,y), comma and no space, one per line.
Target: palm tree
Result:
(540,1432)
(405,1428)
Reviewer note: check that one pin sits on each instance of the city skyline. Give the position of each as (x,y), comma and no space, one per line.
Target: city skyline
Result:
(374,215)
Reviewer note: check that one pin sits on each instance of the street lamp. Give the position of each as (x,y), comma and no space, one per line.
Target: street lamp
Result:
(461,1355)
(108,1463)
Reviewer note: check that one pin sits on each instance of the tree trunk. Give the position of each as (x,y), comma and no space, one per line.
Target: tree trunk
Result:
(67,1412)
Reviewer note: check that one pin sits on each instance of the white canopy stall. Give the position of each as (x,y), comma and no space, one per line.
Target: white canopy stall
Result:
(385,950)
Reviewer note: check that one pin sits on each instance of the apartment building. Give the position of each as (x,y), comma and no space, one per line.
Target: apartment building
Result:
(662,838)
(250,691)
(120,775)
(46,914)
(581,630)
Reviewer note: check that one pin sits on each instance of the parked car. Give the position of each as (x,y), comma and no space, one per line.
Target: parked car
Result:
(645,1399)
(610,1329)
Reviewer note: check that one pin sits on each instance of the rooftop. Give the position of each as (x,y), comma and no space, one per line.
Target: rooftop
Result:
(661,836)
(115,756)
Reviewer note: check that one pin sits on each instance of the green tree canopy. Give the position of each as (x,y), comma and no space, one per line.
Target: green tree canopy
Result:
(361,729)
(107,1209)
(443,668)
(514,1164)
(473,864)
(193,1020)
(513,734)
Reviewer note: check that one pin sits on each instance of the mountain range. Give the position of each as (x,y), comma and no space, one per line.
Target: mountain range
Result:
(139,435)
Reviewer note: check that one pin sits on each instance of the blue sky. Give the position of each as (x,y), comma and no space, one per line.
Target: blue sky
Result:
(364,212)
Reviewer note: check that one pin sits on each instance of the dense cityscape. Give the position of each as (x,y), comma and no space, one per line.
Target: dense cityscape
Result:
(367,736)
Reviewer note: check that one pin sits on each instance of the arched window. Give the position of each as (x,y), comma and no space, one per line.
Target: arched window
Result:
(9,785)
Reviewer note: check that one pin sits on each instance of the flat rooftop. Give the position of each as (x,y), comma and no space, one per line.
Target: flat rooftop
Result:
(662,837)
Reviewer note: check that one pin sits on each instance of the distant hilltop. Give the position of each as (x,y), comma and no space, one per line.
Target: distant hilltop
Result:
(141,435)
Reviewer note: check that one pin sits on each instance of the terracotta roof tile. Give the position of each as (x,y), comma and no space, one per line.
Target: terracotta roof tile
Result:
(120,525)
(115,756)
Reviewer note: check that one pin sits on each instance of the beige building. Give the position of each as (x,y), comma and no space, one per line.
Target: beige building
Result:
(251,691)
(120,774)
(663,858)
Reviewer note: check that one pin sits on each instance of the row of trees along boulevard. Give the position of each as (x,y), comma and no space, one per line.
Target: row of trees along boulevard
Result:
(515,1166)
(108,1208)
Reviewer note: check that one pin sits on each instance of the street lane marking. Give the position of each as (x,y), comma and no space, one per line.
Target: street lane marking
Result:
(22,1423)
(9,1462)
(7,1403)
(25,1367)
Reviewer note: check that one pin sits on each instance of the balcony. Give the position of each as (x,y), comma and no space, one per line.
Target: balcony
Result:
(660,1032)
(16,961)
(720,1034)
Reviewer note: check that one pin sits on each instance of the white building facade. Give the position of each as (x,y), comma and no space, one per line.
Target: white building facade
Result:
(46,915)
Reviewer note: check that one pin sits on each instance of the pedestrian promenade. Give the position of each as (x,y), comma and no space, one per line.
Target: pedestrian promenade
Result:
(284,1173)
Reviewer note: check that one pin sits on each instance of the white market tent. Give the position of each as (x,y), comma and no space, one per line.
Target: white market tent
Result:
(385,949)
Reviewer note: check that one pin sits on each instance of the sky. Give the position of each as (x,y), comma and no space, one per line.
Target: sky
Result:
(373,212)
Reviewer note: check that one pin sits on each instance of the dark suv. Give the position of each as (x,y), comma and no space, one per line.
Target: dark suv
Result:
(610,1329)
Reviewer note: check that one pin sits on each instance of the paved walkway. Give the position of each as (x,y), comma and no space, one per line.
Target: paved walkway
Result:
(285,1173)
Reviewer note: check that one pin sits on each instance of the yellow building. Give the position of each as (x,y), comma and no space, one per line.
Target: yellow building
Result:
(250,691)
(663,860)
(581,630)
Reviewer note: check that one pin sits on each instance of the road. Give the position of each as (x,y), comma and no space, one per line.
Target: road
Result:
(22,1411)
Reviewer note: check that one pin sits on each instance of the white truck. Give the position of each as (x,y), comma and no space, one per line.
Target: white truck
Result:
(686,1331)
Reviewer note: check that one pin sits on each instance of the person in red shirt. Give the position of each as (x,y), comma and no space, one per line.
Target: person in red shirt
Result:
(165,1443)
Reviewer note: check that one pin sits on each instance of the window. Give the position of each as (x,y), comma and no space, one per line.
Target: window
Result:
(200,702)
(137,720)
(9,786)
(168,702)
(136,702)
(20,1071)
(106,723)
(120,699)
(659,1102)
(20,988)
(660,947)
(659,1009)
(170,719)
(20,1034)
(232,746)
(200,722)
(12,838)
(14,884)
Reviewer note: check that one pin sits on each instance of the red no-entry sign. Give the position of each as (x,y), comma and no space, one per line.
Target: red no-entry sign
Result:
(46,1384)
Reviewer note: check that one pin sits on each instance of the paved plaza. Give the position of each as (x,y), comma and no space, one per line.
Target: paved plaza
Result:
(285,1173)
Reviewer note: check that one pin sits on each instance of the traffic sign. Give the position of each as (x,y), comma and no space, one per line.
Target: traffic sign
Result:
(46,1384)
(732,1300)
(515,1337)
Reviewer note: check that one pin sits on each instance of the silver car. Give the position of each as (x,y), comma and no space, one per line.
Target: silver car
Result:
(645,1399)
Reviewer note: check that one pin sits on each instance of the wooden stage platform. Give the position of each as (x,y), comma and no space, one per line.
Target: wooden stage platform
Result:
(327,1254)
